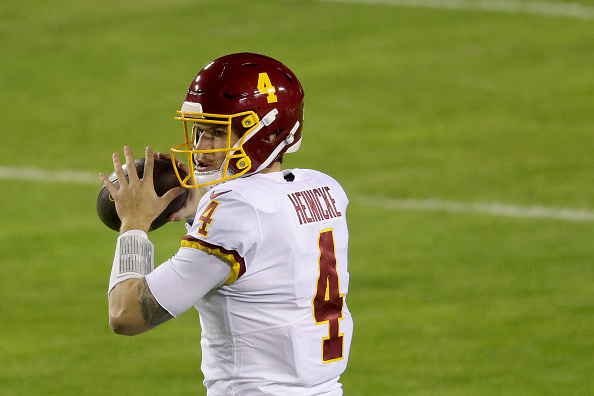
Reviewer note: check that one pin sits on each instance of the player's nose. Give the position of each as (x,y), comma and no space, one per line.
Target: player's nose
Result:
(205,143)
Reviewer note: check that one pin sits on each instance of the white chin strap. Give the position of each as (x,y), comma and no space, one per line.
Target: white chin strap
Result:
(210,176)
(206,177)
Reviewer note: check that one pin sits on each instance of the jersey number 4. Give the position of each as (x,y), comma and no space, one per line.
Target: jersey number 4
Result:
(206,217)
(328,302)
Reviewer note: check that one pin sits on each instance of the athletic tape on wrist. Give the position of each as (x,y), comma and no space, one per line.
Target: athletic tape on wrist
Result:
(134,257)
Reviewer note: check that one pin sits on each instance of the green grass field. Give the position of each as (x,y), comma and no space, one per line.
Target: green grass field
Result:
(452,105)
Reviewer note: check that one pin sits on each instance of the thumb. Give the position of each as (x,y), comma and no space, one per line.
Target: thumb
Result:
(172,194)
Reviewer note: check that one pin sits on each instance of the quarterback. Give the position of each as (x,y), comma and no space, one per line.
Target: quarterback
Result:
(264,259)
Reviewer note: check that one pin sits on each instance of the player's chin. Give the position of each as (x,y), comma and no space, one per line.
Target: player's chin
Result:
(205,169)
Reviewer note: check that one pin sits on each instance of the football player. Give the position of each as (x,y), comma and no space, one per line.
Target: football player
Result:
(264,260)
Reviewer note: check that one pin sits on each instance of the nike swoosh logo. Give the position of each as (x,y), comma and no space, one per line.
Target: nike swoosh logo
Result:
(213,195)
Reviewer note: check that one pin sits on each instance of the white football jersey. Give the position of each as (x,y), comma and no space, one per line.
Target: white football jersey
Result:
(277,323)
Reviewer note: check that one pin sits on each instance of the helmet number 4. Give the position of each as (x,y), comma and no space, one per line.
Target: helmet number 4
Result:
(266,88)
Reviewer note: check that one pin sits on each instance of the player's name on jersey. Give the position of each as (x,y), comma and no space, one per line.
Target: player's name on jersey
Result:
(314,205)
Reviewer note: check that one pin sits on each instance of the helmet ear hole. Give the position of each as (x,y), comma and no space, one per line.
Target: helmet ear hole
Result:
(271,137)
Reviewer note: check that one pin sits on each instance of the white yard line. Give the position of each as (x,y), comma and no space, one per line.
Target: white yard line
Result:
(411,204)
(494,209)
(63,176)
(545,8)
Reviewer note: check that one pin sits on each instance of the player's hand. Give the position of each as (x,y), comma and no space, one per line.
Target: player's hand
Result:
(136,201)
(188,211)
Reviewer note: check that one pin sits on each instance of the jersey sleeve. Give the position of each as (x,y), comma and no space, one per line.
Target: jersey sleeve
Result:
(185,278)
(226,225)
(212,253)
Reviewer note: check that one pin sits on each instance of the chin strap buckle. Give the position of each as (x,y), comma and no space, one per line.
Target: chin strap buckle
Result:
(270,117)
(291,137)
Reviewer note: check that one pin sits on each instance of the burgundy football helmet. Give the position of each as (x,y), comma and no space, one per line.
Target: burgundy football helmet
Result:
(254,94)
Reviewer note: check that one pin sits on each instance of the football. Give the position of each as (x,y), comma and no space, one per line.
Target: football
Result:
(164,179)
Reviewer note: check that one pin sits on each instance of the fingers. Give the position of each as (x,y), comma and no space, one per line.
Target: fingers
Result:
(172,194)
(163,156)
(183,167)
(119,171)
(181,214)
(188,210)
(132,174)
(134,187)
(108,184)
(130,163)
(177,216)
(117,167)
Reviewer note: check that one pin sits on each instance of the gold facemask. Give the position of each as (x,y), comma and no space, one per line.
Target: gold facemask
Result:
(236,162)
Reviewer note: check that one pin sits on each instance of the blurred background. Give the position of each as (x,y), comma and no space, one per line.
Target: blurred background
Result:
(461,130)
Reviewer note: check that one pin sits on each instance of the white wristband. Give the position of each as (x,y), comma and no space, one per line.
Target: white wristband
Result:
(134,257)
